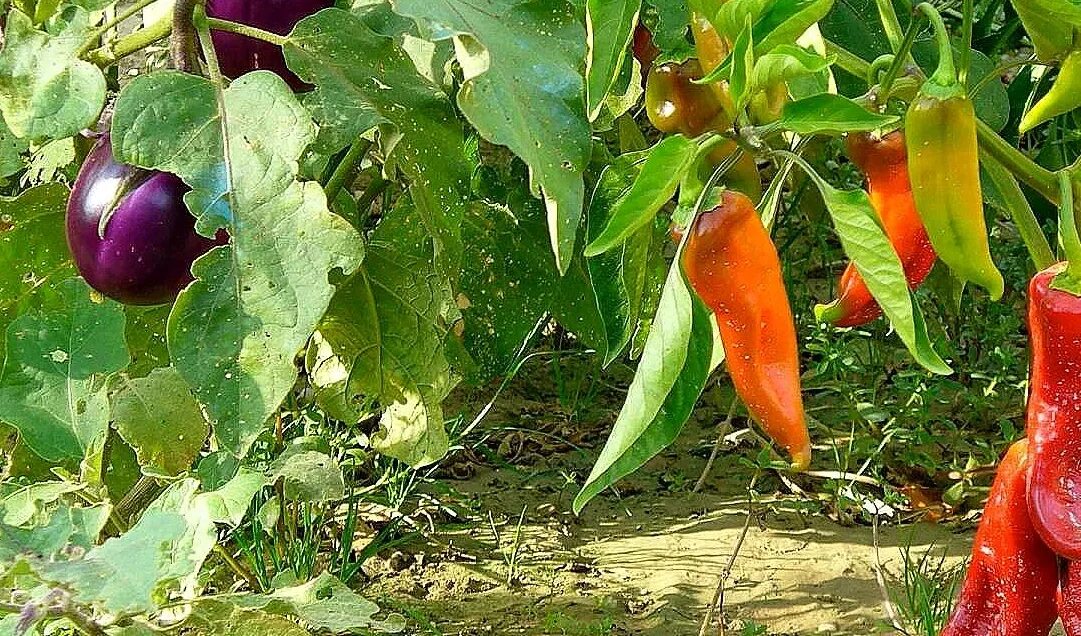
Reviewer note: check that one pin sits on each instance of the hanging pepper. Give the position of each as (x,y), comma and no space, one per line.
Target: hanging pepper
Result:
(884,162)
(1069,598)
(642,46)
(1054,421)
(733,266)
(943,164)
(675,104)
(1012,578)
(1053,26)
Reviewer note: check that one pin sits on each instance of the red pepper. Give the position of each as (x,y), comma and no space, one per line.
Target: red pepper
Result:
(1013,577)
(733,266)
(1069,598)
(1054,413)
(885,164)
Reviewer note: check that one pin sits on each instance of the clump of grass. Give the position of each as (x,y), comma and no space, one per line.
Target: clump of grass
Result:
(926,591)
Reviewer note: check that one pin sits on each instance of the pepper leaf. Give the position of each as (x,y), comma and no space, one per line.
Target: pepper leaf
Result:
(676,362)
(609,28)
(828,114)
(867,245)
(662,170)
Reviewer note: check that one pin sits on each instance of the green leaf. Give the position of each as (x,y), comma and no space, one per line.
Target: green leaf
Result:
(67,529)
(308,476)
(667,21)
(1052,26)
(609,29)
(46,92)
(787,62)
(657,181)
(827,114)
(51,384)
(506,284)
(27,503)
(222,618)
(33,247)
(774,22)
(867,246)
(600,298)
(673,371)
(124,574)
(523,89)
(326,603)
(364,79)
(234,333)
(383,340)
(160,419)
(741,80)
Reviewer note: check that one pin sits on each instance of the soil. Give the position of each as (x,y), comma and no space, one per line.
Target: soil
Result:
(645,560)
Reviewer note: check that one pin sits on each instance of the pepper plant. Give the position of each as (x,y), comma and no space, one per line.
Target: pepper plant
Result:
(247,245)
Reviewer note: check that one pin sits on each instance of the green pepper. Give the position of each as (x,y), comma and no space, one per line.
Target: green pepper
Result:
(1054,26)
(943,163)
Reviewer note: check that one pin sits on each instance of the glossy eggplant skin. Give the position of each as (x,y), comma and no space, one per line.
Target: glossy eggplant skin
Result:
(142,253)
(240,54)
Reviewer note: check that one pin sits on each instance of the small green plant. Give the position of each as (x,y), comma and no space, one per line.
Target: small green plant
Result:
(925,594)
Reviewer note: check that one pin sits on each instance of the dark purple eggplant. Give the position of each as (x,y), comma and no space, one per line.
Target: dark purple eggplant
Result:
(240,54)
(131,235)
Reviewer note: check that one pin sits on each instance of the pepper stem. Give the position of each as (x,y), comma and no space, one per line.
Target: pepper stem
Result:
(1067,224)
(946,73)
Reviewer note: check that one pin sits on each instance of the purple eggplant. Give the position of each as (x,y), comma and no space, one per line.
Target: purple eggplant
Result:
(240,54)
(132,237)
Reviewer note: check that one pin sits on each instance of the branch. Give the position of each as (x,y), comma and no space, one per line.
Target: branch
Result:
(182,47)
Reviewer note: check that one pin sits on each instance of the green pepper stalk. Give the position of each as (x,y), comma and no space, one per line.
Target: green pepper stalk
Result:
(943,162)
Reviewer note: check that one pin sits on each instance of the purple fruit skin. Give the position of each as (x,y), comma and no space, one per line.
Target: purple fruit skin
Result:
(149,241)
(239,54)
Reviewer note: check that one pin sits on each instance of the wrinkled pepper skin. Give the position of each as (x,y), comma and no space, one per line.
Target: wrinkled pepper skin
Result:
(943,165)
(675,104)
(129,231)
(885,164)
(733,266)
(240,54)
(1054,414)
(1013,577)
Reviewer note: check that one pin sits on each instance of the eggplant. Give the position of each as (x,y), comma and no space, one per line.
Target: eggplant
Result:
(240,54)
(131,235)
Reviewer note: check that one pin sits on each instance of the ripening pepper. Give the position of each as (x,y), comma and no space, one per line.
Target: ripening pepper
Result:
(240,54)
(675,104)
(642,46)
(1054,413)
(1013,577)
(1052,26)
(885,164)
(131,236)
(943,164)
(1069,598)
(711,47)
(733,266)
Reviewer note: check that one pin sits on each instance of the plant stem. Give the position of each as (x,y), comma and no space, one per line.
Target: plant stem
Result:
(966,39)
(250,31)
(1039,248)
(183,44)
(98,33)
(1028,171)
(108,54)
(377,187)
(898,61)
(1067,223)
(238,569)
(890,24)
(346,168)
(946,74)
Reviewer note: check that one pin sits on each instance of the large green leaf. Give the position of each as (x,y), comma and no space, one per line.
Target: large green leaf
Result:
(383,340)
(523,89)
(506,284)
(610,26)
(124,574)
(676,362)
(327,604)
(52,382)
(364,79)
(33,248)
(159,418)
(234,333)
(600,298)
(46,92)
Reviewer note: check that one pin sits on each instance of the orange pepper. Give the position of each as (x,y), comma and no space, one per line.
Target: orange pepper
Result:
(885,164)
(732,264)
